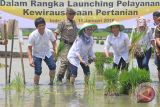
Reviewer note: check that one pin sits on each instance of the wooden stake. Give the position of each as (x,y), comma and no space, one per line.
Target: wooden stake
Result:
(11,53)
(5,38)
(21,55)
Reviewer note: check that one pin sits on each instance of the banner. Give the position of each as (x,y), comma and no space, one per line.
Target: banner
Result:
(100,12)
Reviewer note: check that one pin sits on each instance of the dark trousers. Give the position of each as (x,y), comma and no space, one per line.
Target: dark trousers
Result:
(73,69)
(144,60)
(122,65)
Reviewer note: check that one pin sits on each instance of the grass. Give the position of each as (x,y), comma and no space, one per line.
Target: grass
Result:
(130,80)
(101,33)
(16,84)
(102,42)
(59,49)
(100,61)
(92,82)
(111,81)
(134,37)
(97,41)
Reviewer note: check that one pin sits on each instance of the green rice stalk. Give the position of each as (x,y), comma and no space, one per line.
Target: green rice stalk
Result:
(111,81)
(59,49)
(16,84)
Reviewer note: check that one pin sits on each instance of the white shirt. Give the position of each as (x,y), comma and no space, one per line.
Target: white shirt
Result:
(40,43)
(120,46)
(84,50)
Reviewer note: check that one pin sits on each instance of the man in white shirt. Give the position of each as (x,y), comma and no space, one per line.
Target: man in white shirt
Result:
(120,44)
(38,50)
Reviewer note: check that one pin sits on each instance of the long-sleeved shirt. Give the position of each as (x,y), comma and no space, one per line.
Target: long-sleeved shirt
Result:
(82,49)
(120,45)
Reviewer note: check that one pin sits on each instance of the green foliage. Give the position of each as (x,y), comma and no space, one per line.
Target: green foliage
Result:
(109,60)
(97,41)
(92,82)
(26,32)
(130,80)
(59,49)
(102,42)
(100,61)
(134,37)
(111,81)
(101,33)
(17,84)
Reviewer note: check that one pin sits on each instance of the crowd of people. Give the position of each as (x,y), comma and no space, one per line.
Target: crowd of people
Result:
(78,46)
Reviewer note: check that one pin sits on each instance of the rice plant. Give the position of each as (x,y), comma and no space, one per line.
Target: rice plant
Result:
(134,38)
(92,82)
(111,81)
(102,42)
(59,50)
(130,80)
(16,84)
(97,41)
(100,61)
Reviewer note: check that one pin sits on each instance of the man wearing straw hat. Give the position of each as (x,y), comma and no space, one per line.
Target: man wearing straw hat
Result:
(81,50)
(68,31)
(120,43)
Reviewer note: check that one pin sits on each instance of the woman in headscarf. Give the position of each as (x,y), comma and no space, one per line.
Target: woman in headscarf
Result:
(80,51)
(120,43)
(144,43)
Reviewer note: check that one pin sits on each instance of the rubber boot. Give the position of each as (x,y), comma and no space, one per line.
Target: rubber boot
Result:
(52,75)
(36,79)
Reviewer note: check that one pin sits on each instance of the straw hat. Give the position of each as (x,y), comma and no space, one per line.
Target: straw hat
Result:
(115,24)
(85,25)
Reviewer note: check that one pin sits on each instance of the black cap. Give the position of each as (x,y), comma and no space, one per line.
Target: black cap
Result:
(156,14)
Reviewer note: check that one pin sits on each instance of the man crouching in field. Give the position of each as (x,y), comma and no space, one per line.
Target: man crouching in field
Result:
(38,50)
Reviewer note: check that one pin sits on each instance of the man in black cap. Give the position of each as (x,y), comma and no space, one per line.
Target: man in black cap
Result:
(68,31)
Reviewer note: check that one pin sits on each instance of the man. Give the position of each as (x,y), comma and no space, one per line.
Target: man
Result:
(156,34)
(156,15)
(120,43)
(38,49)
(68,31)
